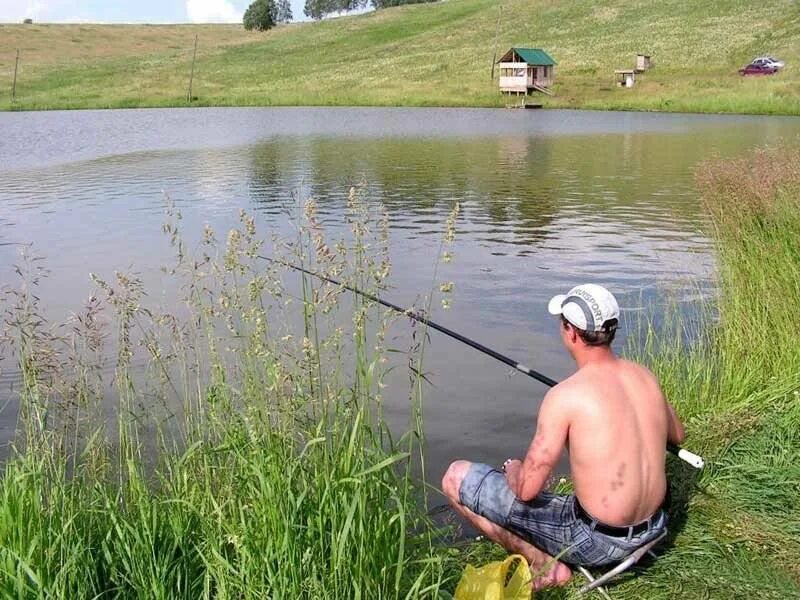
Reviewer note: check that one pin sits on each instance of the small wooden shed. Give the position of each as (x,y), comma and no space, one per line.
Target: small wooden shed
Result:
(526,69)
(643,62)
(625,77)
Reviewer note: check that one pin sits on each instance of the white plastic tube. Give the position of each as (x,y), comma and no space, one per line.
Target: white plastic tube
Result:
(690,457)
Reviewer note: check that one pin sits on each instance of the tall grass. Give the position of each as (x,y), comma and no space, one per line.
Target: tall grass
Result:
(755,207)
(755,203)
(247,455)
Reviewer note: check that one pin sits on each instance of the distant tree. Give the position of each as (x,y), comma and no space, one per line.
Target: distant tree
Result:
(265,14)
(28,22)
(259,15)
(283,11)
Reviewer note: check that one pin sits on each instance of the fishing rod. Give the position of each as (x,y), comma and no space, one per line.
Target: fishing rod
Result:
(689,457)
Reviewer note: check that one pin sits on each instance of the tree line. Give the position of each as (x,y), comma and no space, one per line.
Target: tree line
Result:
(265,14)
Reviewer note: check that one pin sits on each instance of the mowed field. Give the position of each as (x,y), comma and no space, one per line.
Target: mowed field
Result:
(423,55)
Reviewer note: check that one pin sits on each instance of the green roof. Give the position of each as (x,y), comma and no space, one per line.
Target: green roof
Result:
(535,56)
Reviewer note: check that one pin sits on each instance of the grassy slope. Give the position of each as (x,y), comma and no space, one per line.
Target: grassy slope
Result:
(423,55)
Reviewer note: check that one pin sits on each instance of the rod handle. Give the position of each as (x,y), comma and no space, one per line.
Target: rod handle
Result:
(690,457)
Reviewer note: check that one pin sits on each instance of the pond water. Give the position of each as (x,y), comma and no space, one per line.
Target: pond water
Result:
(549,199)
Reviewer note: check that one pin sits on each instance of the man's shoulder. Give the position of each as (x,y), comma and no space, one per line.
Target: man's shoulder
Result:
(597,381)
(640,370)
(580,380)
(597,373)
(632,364)
(576,385)
(565,386)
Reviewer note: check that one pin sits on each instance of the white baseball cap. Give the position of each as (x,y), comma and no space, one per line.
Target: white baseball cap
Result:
(586,306)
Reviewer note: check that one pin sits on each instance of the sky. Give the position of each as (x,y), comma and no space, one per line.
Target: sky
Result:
(140,11)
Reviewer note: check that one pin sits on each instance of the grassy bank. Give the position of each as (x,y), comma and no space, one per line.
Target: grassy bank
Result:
(423,55)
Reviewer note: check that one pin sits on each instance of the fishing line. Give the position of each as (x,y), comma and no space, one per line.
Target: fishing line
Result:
(691,458)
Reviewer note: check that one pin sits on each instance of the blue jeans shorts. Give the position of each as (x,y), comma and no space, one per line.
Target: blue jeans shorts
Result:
(549,521)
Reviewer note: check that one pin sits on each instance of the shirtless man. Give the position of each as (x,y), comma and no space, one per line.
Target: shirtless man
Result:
(612,417)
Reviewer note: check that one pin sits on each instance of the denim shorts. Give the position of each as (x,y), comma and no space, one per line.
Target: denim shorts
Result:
(549,521)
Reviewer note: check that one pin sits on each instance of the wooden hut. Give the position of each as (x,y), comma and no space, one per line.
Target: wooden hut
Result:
(625,77)
(643,63)
(526,69)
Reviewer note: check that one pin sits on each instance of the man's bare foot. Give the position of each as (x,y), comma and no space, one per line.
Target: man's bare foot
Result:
(559,574)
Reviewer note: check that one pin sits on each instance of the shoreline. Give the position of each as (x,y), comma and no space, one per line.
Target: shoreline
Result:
(552,107)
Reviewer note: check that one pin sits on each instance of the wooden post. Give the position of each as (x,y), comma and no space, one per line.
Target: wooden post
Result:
(14,85)
(496,33)
(191,76)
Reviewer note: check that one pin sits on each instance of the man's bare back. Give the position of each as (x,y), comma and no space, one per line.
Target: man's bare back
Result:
(618,425)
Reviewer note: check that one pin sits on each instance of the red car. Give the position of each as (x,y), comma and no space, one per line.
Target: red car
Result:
(752,69)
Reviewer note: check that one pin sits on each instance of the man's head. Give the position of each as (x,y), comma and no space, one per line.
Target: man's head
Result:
(589,313)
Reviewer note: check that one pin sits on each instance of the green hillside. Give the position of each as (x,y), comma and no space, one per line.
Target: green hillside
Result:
(426,55)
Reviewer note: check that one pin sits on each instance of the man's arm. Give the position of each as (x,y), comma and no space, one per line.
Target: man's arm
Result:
(527,478)
(675,432)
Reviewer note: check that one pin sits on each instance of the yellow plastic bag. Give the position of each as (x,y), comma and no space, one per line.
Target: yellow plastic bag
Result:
(489,581)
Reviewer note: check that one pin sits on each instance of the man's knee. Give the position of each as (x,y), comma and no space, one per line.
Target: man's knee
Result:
(451,482)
